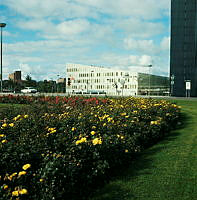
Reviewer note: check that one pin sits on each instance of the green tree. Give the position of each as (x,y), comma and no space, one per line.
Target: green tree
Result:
(29,82)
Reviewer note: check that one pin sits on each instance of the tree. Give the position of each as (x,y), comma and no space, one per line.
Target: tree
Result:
(29,82)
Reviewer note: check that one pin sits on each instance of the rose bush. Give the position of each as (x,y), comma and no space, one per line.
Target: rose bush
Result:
(66,150)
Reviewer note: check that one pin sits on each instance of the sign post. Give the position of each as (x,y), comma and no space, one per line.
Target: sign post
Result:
(172,84)
(188,87)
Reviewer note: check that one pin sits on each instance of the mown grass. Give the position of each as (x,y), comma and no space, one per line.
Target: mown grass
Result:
(166,171)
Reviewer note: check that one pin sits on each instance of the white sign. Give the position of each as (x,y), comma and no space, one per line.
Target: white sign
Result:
(188,85)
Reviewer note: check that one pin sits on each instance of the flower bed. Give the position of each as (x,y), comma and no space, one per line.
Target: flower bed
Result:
(64,151)
(49,100)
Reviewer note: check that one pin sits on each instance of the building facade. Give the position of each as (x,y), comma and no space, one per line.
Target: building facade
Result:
(61,80)
(91,79)
(15,77)
(183,53)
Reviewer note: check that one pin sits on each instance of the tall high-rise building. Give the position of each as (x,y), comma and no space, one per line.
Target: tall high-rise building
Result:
(183,52)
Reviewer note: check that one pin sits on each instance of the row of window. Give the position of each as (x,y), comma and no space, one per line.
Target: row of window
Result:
(72,70)
(80,87)
(101,80)
(100,74)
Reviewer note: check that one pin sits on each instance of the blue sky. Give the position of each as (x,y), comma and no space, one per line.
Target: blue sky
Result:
(41,36)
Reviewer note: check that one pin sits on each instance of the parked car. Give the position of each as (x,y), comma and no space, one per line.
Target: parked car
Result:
(29,90)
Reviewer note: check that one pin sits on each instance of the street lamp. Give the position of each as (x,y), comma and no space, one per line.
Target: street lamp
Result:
(57,83)
(89,80)
(149,76)
(122,83)
(115,85)
(1,25)
(149,66)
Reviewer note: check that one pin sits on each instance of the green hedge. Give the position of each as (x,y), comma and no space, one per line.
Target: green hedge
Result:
(66,151)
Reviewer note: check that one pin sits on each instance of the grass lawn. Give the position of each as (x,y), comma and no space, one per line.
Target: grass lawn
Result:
(166,171)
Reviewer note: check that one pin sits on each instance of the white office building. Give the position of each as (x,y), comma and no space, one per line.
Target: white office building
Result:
(89,79)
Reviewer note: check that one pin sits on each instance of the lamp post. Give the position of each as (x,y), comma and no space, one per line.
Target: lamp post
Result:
(1,25)
(57,88)
(149,66)
(149,77)
(89,81)
(122,83)
(115,85)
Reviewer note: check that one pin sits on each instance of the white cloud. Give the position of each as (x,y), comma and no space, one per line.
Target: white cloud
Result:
(145,60)
(144,46)
(109,33)
(58,9)
(139,28)
(165,44)
(36,25)
(145,9)
(8,34)
(73,27)
(34,71)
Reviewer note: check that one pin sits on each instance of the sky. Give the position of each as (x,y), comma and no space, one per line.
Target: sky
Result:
(42,36)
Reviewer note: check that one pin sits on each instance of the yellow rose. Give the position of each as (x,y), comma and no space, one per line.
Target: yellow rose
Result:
(54,131)
(4,141)
(14,174)
(23,191)
(21,173)
(82,140)
(97,141)
(2,135)
(11,176)
(51,129)
(4,125)
(93,132)
(73,128)
(78,142)
(15,118)
(11,124)
(15,193)
(5,187)
(25,167)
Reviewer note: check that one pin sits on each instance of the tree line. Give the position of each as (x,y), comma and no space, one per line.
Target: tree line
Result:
(46,86)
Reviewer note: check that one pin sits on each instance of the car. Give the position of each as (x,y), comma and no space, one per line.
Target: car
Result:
(29,90)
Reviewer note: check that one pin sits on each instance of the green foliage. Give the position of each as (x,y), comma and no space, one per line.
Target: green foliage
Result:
(165,171)
(77,144)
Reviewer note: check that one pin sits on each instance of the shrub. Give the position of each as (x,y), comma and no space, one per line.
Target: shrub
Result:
(77,144)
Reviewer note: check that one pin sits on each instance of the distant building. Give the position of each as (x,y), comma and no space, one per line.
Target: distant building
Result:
(183,54)
(94,79)
(61,80)
(15,77)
